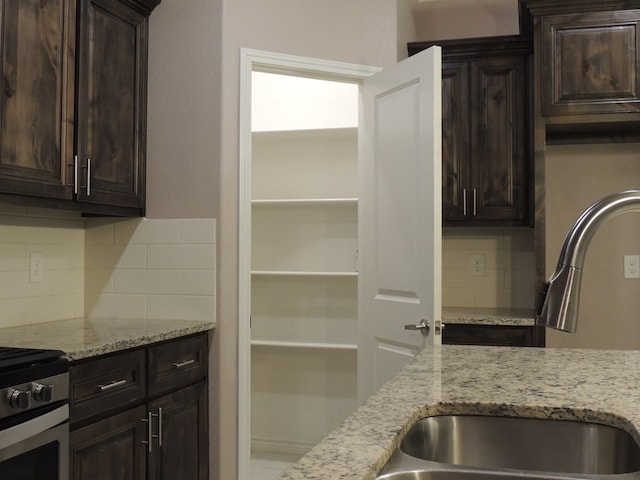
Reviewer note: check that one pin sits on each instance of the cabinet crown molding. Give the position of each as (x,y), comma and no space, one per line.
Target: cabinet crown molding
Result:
(143,6)
(477,47)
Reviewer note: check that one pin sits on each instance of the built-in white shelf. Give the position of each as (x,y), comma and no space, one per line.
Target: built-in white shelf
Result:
(290,273)
(304,229)
(315,345)
(304,202)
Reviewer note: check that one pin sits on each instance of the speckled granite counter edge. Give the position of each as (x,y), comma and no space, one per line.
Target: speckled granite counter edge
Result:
(488,316)
(139,341)
(84,338)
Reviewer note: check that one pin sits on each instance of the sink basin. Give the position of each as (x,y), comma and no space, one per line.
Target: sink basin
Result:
(524,444)
(474,447)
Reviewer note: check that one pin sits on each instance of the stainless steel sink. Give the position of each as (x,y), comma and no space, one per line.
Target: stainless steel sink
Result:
(471,447)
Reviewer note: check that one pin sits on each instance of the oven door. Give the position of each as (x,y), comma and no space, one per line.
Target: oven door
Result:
(36,448)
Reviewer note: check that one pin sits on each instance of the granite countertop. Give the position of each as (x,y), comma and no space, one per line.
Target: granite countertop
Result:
(590,385)
(82,338)
(489,316)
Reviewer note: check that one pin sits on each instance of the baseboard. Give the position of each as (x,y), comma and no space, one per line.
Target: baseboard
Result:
(280,447)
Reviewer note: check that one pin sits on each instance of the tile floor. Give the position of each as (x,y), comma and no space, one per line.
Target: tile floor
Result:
(267,466)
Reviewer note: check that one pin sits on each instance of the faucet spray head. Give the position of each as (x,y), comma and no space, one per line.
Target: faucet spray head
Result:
(559,299)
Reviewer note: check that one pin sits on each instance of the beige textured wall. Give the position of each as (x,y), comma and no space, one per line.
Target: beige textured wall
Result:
(193,134)
(183,131)
(578,175)
(448,19)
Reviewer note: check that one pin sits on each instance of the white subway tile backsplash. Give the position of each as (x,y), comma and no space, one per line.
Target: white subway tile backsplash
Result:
(13,284)
(99,232)
(159,268)
(110,305)
(54,307)
(458,297)
(100,268)
(99,280)
(182,307)
(147,232)
(13,257)
(509,268)
(197,230)
(183,257)
(198,282)
(147,281)
(65,282)
(12,312)
(115,256)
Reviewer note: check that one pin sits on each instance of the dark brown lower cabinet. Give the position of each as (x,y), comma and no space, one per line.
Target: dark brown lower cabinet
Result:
(141,414)
(492,335)
(111,448)
(183,453)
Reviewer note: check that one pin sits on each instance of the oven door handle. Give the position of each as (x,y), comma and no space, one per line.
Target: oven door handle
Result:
(18,433)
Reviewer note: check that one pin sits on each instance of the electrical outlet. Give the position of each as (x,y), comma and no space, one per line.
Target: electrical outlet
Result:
(632,266)
(477,265)
(36,267)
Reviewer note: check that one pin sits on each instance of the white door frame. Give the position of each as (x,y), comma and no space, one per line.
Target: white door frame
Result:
(263,61)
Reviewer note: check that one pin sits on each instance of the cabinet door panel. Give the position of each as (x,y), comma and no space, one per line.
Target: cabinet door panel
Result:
(111,449)
(184,451)
(590,63)
(36,104)
(455,139)
(498,93)
(111,104)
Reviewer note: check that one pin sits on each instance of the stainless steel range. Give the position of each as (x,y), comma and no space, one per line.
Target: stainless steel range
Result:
(34,410)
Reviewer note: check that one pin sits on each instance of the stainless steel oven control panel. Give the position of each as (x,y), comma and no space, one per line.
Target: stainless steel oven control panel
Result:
(34,394)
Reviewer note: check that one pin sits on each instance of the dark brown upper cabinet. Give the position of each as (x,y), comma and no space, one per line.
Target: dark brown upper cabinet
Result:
(485,125)
(37,101)
(73,108)
(587,64)
(111,103)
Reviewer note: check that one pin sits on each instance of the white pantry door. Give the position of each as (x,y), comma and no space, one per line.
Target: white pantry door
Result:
(399,216)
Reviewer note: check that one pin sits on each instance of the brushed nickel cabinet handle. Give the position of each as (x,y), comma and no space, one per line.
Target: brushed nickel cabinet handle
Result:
(184,363)
(464,202)
(475,201)
(88,177)
(159,426)
(110,385)
(75,174)
(150,435)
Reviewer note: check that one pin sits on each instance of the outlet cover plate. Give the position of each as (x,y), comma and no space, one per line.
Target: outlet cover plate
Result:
(477,265)
(632,266)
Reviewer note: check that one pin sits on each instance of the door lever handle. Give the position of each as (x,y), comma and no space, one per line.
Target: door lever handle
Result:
(423,326)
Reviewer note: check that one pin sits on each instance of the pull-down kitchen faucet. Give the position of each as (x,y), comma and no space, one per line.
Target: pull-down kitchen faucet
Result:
(560,295)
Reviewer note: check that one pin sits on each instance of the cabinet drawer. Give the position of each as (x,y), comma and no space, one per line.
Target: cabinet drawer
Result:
(490,335)
(177,363)
(107,383)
